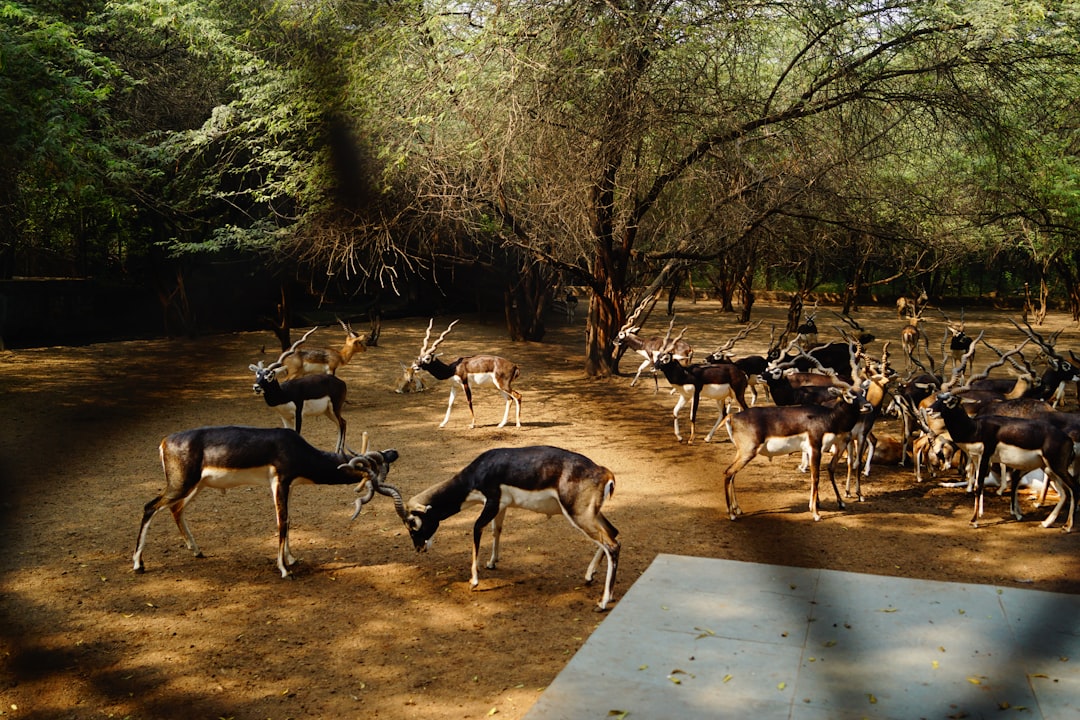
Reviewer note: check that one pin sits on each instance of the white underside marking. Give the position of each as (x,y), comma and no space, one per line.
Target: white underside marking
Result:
(311,407)
(540,501)
(785,445)
(226,478)
(1018,458)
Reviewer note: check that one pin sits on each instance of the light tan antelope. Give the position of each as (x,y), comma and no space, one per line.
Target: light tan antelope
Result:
(307,361)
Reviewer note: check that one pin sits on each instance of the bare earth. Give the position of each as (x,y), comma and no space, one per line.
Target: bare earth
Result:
(369,628)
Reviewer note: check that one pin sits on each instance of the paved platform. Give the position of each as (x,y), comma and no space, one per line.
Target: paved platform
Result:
(701,638)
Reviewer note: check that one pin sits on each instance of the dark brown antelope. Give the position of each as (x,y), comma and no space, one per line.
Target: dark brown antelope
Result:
(720,382)
(1060,371)
(772,431)
(231,456)
(466,372)
(753,366)
(319,394)
(544,479)
(1020,444)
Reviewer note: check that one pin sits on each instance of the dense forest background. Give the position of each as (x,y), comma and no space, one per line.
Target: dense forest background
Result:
(184,167)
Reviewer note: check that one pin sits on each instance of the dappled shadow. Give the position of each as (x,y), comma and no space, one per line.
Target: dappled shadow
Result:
(369,627)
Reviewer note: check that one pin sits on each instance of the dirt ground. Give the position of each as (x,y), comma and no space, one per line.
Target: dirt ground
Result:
(369,628)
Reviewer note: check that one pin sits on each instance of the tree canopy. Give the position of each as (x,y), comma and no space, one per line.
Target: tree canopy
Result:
(617,146)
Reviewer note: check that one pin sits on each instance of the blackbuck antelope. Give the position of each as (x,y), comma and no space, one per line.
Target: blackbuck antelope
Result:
(772,431)
(863,445)
(544,479)
(1060,371)
(1022,445)
(320,394)
(306,361)
(566,305)
(466,372)
(720,382)
(648,348)
(754,366)
(232,456)
(910,334)
(806,333)
(959,343)
(840,358)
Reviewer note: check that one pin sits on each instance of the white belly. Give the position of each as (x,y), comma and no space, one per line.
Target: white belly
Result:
(311,407)
(485,378)
(785,445)
(225,478)
(540,501)
(1017,458)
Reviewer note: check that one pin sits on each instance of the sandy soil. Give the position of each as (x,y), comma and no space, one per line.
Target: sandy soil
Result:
(369,628)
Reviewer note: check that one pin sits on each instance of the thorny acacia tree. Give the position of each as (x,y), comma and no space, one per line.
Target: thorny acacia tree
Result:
(608,138)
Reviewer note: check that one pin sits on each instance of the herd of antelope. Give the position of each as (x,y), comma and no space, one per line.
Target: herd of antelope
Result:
(827,397)
(303,381)
(823,399)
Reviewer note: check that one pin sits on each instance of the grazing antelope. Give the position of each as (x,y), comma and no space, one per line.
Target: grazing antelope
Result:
(307,361)
(233,456)
(320,394)
(647,348)
(772,431)
(720,382)
(466,372)
(544,479)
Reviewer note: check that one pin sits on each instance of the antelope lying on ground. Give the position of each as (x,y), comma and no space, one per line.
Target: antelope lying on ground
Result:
(543,479)
(233,456)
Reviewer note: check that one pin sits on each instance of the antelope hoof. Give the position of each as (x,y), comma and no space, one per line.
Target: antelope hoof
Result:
(140,570)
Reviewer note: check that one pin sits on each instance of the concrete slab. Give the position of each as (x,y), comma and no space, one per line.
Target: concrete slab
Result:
(703,638)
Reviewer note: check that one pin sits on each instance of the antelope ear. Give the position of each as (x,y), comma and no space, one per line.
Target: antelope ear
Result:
(254,368)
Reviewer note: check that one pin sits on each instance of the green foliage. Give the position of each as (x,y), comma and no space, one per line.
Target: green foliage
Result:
(63,162)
